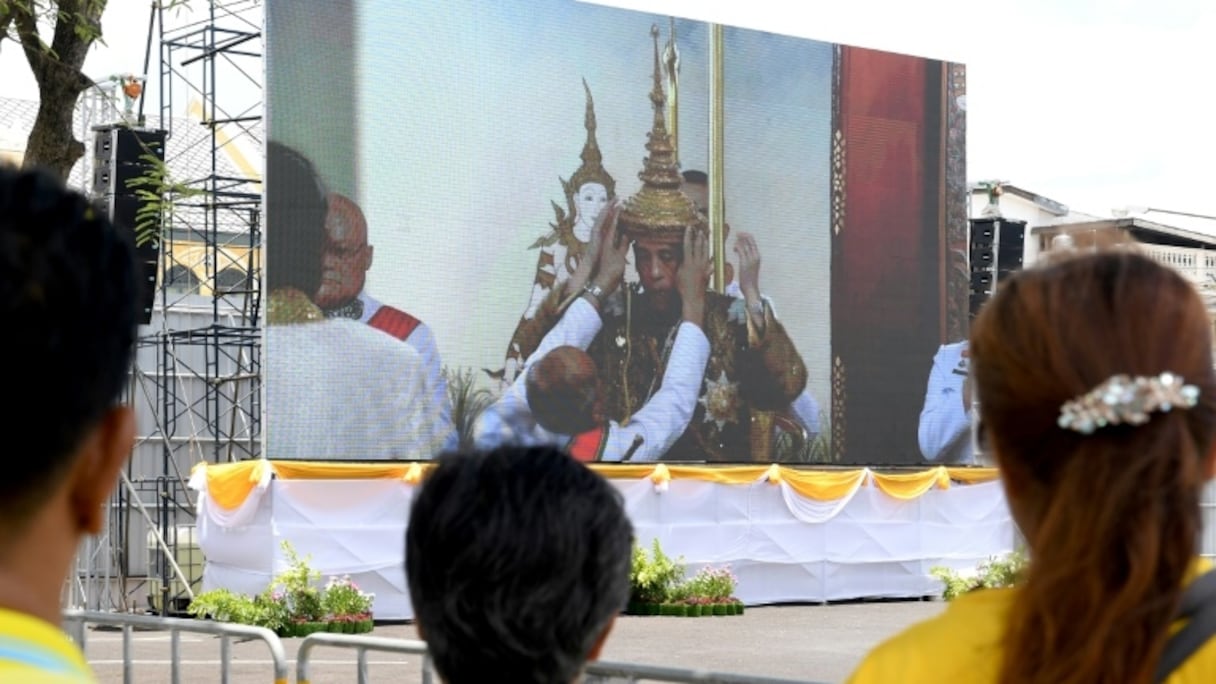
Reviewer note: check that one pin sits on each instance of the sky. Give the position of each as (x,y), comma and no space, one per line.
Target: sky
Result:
(1099,104)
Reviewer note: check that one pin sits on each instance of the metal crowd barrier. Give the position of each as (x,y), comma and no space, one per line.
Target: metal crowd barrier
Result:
(74,622)
(361,645)
(602,672)
(598,672)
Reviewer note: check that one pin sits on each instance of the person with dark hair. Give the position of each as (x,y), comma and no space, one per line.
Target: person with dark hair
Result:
(335,388)
(559,397)
(1097,400)
(517,562)
(69,301)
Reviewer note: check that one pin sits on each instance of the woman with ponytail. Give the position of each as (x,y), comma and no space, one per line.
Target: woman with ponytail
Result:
(1097,399)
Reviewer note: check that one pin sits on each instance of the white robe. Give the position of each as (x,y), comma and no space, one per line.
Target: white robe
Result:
(423,341)
(339,389)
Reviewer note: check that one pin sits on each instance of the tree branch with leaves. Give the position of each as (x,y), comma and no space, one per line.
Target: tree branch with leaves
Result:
(58,67)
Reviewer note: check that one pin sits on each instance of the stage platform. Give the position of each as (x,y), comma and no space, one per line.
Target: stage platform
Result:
(790,534)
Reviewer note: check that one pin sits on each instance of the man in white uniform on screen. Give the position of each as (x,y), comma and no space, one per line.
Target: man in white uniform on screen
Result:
(945,420)
(343,294)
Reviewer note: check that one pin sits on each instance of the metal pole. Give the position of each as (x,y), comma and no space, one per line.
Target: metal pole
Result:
(175,657)
(225,659)
(128,664)
(147,60)
(717,167)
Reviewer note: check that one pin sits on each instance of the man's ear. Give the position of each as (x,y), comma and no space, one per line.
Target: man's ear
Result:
(104,452)
(371,253)
(602,639)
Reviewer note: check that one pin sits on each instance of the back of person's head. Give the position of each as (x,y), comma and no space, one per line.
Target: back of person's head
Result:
(295,220)
(1110,507)
(518,562)
(695,176)
(563,393)
(69,302)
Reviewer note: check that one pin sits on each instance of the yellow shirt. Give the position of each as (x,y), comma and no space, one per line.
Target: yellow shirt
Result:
(963,645)
(36,652)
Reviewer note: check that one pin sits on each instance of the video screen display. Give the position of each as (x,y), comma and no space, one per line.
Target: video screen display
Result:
(646,238)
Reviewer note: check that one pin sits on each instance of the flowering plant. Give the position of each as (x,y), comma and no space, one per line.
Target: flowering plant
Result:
(342,598)
(714,584)
(294,604)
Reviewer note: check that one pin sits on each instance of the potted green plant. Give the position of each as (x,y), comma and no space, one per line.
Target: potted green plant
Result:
(222,605)
(993,573)
(652,578)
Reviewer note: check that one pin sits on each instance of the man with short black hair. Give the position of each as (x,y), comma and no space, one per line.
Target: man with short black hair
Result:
(518,564)
(69,302)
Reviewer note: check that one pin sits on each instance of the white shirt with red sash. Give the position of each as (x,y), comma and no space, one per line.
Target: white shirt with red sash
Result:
(417,334)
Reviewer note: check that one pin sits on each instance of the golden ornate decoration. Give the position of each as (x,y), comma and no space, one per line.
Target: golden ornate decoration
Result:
(592,169)
(721,401)
(659,210)
(838,402)
(838,168)
(288,306)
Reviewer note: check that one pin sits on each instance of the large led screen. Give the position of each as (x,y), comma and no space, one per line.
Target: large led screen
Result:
(437,175)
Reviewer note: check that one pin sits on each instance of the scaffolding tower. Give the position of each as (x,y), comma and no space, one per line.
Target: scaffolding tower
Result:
(196,378)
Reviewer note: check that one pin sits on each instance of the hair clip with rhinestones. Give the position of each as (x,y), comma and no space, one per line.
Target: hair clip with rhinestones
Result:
(1125,400)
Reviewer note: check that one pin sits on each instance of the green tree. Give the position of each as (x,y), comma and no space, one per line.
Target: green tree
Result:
(72,27)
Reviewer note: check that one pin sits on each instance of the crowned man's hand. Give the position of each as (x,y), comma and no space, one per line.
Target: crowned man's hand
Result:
(692,278)
(749,277)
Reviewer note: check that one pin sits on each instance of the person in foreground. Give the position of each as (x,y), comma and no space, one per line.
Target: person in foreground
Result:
(69,300)
(518,564)
(1098,402)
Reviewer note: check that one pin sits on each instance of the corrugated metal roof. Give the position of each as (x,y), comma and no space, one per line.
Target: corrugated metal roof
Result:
(187,153)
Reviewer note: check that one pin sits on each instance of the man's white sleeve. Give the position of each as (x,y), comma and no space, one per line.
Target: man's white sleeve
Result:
(943,420)
(665,417)
(576,328)
(423,341)
(508,420)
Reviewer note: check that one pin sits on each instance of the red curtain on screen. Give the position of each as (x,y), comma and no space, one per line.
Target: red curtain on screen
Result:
(887,254)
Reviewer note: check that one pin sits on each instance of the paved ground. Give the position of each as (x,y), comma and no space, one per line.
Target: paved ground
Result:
(817,643)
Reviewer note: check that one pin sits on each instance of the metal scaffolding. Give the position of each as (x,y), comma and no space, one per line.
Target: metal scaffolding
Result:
(196,379)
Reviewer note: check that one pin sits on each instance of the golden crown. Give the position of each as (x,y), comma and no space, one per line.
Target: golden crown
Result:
(659,209)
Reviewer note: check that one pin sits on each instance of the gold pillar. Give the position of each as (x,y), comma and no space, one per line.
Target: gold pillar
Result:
(717,168)
(671,65)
